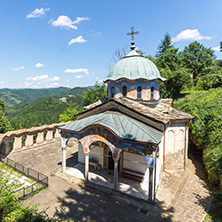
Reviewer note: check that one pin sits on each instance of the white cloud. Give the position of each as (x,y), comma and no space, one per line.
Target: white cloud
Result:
(38,12)
(77,71)
(217,48)
(79,77)
(97,34)
(64,21)
(54,84)
(190,34)
(79,39)
(27,84)
(17,68)
(38,65)
(2,82)
(43,78)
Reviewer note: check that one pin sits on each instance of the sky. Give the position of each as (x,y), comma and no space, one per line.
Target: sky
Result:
(45,44)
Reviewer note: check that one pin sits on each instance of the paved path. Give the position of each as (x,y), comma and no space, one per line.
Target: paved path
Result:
(182,196)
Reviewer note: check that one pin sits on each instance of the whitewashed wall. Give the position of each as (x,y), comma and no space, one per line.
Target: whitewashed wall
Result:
(96,153)
(134,162)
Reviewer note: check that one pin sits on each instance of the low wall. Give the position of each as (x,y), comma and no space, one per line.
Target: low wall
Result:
(25,138)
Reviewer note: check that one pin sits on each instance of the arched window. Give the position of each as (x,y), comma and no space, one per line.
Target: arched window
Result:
(139,92)
(112,92)
(124,91)
(152,93)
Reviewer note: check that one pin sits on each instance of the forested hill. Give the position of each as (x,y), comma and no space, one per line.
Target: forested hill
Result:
(41,112)
(39,106)
(13,97)
(18,98)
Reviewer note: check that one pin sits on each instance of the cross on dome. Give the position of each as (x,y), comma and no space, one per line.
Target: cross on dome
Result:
(132,33)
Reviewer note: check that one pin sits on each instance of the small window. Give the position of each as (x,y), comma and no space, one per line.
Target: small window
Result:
(152,93)
(112,92)
(124,91)
(139,92)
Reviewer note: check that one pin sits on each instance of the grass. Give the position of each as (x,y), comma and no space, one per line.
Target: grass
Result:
(29,190)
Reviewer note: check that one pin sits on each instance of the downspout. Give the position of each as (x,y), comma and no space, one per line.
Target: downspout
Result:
(154,165)
(164,152)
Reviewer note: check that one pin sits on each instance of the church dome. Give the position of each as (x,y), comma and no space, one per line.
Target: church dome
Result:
(134,66)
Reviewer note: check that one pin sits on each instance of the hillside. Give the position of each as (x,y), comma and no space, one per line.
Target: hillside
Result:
(13,97)
(206,128)
(41,111)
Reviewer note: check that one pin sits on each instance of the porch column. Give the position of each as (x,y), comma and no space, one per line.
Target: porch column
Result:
(150,194)
(63,142)
(154,169)
(86,166)
(115,184)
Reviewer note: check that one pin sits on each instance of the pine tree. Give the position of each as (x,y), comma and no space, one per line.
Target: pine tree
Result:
(165,43)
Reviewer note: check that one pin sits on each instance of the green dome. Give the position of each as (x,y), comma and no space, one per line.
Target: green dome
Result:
(134,66)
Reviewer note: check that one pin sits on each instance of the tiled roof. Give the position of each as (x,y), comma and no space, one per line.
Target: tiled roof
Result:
(162,111)
(123,126)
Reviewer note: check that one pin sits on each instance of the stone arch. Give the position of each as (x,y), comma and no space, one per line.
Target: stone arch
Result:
(181,138)
(90,139)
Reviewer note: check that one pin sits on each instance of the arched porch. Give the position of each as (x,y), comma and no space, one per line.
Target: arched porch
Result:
(117,138)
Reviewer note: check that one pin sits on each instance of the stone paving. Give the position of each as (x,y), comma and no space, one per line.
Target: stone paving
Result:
(182,196)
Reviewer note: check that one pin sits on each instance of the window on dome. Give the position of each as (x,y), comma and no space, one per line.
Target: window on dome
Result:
(152,93)
(124,91)
(112,92)
(139,92)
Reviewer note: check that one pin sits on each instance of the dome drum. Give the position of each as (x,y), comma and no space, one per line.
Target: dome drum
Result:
(140,89)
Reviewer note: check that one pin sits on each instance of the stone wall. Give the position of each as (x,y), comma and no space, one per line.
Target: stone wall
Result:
(26,138)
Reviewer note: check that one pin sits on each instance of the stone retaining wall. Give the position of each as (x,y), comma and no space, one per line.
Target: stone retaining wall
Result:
(25,138)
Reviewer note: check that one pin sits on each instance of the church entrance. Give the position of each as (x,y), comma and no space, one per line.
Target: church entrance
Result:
(110,161)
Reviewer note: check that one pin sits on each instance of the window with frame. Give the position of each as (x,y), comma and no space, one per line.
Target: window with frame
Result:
(112,92)
(139,92)
(152,93)
(124,91)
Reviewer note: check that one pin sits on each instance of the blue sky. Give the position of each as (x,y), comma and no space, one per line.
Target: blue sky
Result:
(70,43)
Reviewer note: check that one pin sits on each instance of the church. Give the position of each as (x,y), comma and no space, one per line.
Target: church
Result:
(132,134)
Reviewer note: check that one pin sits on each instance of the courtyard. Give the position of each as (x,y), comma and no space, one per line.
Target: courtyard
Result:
(182,195)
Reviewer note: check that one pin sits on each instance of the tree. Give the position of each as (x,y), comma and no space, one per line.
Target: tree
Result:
(165,43)
(117,55)
(70,113)
(99,91)
(170,59)
(176,81)
(197,58)
(5,125)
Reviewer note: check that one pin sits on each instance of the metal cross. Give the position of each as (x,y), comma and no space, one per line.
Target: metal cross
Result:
(132,33)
